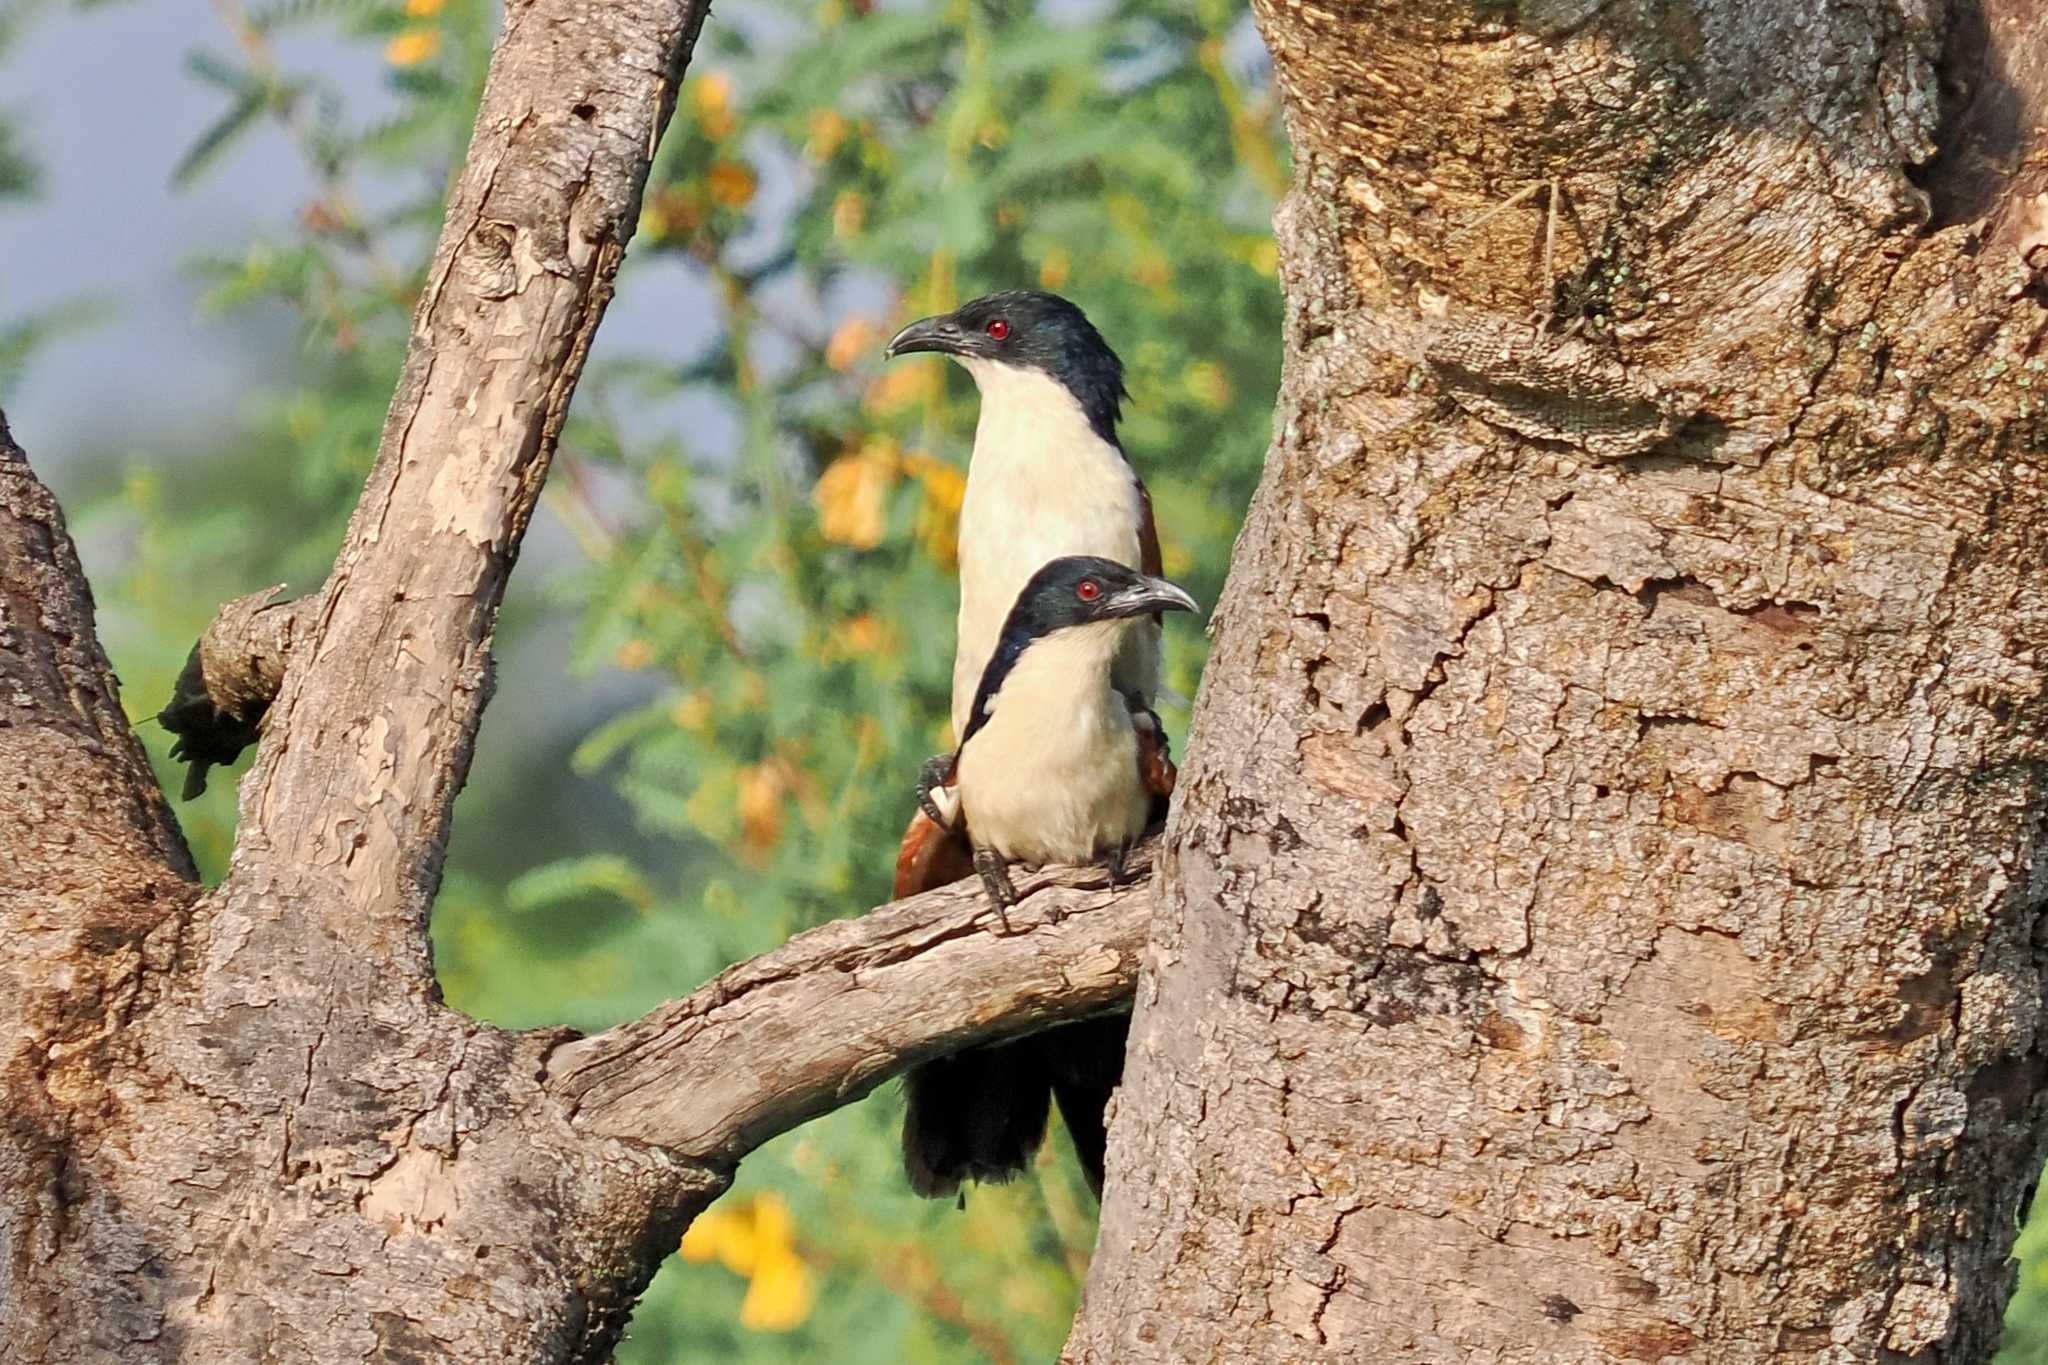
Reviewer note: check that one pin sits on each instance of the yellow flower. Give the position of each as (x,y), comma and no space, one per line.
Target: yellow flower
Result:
(723,1233)
(1265,257)
(849,214)
(779,1296)
(828,130)
(860,636)
(902,386)
(412,47)
(711,98)
(1056,269)
(420,9)
(762,787)
(634,654)
(693,713)
(731,183)
(853,339)
(938,513)
(852,496)
(757,1238)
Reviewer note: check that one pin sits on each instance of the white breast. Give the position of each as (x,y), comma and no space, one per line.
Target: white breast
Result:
(1041,485)
(1052,776)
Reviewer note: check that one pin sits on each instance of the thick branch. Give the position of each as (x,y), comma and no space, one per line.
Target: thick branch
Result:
(826,1018)
(370,736)
(80,792)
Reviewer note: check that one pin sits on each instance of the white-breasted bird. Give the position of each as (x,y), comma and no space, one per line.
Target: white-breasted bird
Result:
(1047,477)
(1053,765)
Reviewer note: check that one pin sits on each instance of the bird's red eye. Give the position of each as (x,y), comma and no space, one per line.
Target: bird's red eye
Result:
(998,328)
(1087,590)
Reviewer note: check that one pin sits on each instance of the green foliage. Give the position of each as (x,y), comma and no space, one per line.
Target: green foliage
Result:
(19,176)
(2026,1317)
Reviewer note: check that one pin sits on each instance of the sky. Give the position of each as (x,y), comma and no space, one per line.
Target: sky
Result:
(107,113)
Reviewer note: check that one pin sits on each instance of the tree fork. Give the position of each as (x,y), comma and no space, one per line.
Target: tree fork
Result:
(304,1213)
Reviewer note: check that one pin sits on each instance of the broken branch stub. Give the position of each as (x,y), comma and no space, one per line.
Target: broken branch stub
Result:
(217,705)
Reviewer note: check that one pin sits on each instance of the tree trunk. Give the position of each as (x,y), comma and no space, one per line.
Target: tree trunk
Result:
(1600,918)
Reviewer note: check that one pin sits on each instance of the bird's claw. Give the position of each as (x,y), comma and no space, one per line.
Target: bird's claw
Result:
(1116,860)
(931,783)
(995,876)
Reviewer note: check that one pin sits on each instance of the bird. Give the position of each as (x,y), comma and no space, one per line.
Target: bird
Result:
(1047,476)
(208,734)
(1052,766)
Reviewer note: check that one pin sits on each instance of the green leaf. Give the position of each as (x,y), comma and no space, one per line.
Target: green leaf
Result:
(239,118)
(20,177)
(595,874)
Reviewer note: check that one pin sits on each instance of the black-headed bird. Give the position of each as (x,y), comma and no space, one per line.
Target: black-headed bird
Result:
(1047,477)
(1052,766)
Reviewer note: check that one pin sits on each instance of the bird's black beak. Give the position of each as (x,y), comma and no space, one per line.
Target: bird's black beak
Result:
(941,334)
(1146,596)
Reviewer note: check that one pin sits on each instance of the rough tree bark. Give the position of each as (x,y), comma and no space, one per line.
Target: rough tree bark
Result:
(1602,916)
(240,1125)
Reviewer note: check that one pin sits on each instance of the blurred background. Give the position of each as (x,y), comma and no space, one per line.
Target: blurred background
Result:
(213,223)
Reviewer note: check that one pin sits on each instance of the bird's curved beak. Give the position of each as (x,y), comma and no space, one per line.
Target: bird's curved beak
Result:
(1147,596)
(941,334)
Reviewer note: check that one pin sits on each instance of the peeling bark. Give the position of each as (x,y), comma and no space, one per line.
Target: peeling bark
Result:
(1600,921)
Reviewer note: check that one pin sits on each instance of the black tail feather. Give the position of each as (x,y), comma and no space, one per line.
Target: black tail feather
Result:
(1086,1061)
(977,1116)
(981,1115)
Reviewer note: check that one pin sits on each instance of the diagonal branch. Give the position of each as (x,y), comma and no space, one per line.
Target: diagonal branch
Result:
(833,1013)
(370,736)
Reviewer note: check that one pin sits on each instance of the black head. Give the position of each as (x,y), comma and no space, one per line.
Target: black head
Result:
(1081,589)
(1031,330)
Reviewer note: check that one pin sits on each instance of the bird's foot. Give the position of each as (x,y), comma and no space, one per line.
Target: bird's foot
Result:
(934,797)
(1118,856)
(995,875)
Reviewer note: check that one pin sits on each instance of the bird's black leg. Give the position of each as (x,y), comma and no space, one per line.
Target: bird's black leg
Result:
(936,770)
(1116,863)
(995,875)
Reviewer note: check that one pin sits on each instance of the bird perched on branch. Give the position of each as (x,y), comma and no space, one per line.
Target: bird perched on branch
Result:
(1048,479)
(1052,766)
